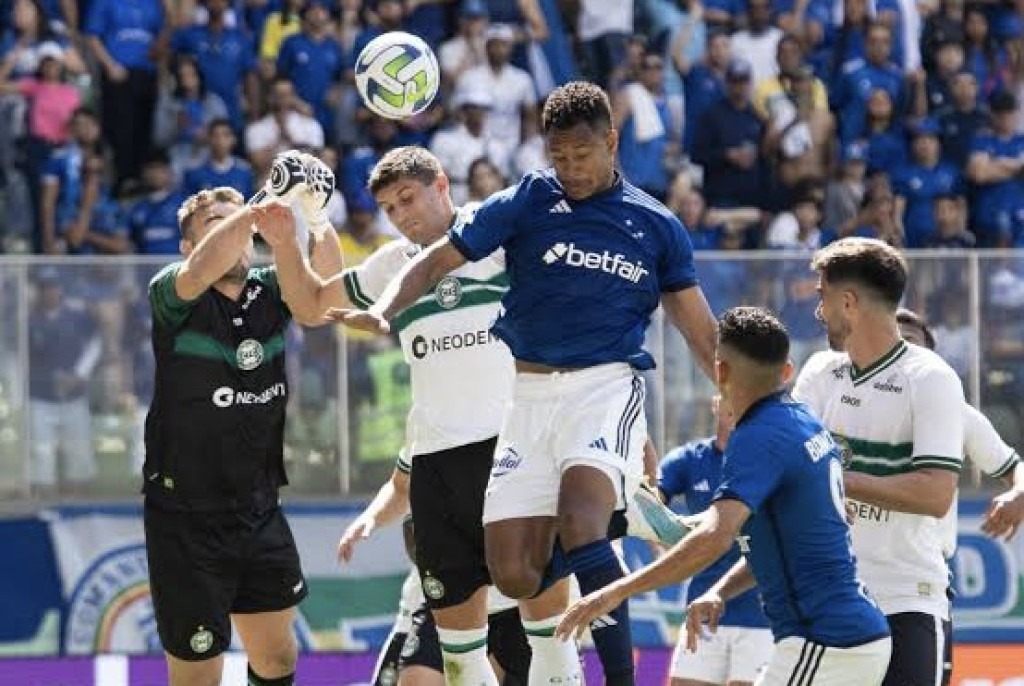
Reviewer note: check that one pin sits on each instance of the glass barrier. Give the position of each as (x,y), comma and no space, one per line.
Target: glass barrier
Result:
(76,368)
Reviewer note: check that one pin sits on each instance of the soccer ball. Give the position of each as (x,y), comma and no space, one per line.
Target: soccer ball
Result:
(397,75)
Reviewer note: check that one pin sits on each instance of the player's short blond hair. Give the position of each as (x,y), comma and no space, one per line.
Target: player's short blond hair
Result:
(203,199)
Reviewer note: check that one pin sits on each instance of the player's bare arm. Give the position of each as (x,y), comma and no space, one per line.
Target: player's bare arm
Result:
(689,312)
(390,503)
(325,256)
(1006,511)
(927,491)
(708,608)
(308,295)
(704,545)
(415,279)
(219,250)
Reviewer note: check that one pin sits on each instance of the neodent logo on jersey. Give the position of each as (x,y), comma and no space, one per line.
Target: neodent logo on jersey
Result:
(603,261)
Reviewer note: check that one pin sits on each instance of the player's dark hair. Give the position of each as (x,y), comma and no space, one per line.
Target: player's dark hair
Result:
(866,262)
(910,318)
(577,102)
(755,333)
(408,162)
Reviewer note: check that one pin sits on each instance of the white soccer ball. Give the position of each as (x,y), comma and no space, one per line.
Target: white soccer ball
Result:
(397,75)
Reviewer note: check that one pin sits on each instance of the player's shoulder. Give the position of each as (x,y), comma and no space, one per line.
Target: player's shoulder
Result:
(921,363)
(688,452)
(825,362)
(647,204)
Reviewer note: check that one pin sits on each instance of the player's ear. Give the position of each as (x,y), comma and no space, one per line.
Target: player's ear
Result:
(443,183)
(786,374)
(612,139)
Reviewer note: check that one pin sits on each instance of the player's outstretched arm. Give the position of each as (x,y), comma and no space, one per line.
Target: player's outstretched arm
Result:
(1006,511)
(689,312)
(222,247)
(307,294)
(700,548)
(390,503)
(413,281)
(927,491)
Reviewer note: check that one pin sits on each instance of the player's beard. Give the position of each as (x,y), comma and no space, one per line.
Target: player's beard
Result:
(837,334)
(238,273)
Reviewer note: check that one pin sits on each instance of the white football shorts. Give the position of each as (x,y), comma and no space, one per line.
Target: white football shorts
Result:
(592,417)
(732,653)
(797,662)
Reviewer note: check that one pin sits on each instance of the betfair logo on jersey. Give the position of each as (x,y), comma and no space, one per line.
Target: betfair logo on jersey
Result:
(616,264)
(226,396)
(421,347)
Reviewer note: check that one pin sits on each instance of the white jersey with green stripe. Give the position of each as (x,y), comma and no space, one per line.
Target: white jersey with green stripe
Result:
(986,449)
(461,374)
(900,414)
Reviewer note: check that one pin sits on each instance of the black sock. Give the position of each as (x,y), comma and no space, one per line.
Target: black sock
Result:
(596,565)
(256,680)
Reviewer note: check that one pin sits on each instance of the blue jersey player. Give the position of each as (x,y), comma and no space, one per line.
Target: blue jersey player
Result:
(782,496)
(589,258)
(742,645)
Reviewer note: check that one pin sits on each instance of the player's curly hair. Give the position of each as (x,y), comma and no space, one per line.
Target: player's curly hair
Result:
(410,161)
(577,102)
(867,262)
(755,333)
(202,200)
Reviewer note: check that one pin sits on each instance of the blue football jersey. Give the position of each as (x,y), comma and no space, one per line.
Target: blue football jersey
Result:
(584,276)
(783,465)
(694,471)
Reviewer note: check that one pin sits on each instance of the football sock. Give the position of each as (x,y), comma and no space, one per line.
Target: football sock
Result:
(596,565)
(553,661)
(465,657)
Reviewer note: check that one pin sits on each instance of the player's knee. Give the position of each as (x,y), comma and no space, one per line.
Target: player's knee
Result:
(578,526)
(516,579)
(276,661)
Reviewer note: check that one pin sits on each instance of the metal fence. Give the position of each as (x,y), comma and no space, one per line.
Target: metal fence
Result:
(89,318)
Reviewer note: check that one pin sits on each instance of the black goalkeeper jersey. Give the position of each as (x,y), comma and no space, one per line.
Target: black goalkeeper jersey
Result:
(215,429)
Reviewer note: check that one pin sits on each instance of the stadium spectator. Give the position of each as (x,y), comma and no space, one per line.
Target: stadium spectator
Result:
(313,60)
(99,227)
(949,63)
(843,194)
(983,54)
(286,125)
(226,57)
(184,110)
(994,166)
(381,135)
(961,120)
(729,143)
(649,135)
(221,168)
(511,87)
(61,198)
(64,349)
(703,84)
(465,49)
(153,219)
(469,139)
(758,42)
(884,134)
(280,25)
(950,225)
(604,28)
(862,78)
(122,35)
(484,179)
(917,184)
(31,33)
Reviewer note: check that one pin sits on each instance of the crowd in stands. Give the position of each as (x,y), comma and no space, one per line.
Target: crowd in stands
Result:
(763,124)
(767,123)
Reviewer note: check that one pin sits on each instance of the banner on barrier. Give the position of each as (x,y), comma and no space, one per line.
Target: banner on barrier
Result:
(87,592)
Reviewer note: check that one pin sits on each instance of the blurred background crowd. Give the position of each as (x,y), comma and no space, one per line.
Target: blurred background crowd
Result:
(770,127)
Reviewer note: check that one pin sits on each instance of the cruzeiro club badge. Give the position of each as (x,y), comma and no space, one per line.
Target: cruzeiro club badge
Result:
(432,588)
(201,641)
(249,354)
(448,292)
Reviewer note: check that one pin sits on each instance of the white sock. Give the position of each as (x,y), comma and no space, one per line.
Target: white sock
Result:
(554,661)
(465,657)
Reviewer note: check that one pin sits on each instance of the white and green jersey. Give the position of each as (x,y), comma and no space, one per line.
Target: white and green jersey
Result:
(989,452)
(902,413)
(461,374)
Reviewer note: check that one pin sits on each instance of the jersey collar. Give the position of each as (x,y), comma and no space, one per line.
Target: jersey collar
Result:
(860,375)
(777,396)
